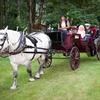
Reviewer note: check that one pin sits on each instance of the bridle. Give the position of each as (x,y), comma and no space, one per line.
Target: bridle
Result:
(3,39)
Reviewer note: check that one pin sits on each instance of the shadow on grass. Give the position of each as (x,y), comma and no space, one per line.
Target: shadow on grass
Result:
(88,59)
(60,64)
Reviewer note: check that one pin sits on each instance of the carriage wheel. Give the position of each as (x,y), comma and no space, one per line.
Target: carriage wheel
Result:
(74,58)
(48,60)
(98,49)
(91,51)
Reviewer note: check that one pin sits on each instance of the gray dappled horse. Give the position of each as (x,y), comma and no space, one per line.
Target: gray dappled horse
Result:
(22,49)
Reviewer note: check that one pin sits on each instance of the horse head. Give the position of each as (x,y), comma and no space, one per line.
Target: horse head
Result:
(3,36)
(3,39)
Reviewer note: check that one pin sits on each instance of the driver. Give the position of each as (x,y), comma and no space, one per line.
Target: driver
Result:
(63,26)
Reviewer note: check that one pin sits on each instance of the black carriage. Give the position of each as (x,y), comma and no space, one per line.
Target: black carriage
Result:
(72,45)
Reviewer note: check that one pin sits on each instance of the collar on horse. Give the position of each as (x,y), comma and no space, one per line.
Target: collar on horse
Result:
(22,45)
(22,42)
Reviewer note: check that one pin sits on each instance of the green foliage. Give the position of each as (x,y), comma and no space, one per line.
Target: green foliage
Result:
(79,11)
(17,18)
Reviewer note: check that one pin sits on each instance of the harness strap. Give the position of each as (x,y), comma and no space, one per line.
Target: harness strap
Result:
(34,41)
(35,51)
(22,42)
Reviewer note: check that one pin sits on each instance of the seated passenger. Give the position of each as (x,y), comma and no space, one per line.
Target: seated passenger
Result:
(91,30)
(63,26)
(87,28)
(81,31)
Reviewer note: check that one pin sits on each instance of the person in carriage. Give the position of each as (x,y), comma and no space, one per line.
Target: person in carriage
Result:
(87,28)
(63,26)
(81,31)
(88,34)
(87,31)
(92,30)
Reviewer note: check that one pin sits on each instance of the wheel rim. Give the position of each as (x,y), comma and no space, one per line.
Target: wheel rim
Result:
(74,58)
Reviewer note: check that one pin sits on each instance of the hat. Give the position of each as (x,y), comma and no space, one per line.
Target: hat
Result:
(87,24)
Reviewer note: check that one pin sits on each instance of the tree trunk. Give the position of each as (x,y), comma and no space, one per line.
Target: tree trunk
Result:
(31,14)
(41,11)
(2,13)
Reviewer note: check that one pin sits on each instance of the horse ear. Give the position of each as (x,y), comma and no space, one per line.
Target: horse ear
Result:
(6,28)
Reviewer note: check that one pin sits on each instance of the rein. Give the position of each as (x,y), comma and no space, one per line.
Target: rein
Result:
(36,48)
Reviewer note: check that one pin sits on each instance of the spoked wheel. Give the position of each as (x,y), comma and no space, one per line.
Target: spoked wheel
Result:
(48,59)
(74,58)
(91,51)
(98,49)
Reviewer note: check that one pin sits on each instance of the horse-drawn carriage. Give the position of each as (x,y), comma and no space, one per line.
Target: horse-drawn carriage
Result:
(21,49)
(72,45)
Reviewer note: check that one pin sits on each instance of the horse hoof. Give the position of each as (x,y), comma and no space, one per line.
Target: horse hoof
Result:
(31,79)
(41,73)
(13,87)
(36,78)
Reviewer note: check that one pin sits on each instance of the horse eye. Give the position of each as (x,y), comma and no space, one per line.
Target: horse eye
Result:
(1,39)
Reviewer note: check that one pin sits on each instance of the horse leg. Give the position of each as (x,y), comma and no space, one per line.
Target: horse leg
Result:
(29,71)
(15,68)
(40,71)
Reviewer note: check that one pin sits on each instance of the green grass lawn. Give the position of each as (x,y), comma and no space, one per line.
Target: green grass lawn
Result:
(58,83)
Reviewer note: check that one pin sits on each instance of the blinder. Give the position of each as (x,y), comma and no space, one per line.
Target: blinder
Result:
(3,39)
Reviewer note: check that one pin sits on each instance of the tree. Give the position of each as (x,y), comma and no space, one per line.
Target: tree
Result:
(24,13)
(31,14)
(40,10)
(2,13)
(81,11)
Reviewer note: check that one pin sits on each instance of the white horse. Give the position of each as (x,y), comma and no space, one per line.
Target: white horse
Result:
(22,49)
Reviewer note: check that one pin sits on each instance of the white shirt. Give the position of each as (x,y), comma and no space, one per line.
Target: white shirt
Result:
(81,31)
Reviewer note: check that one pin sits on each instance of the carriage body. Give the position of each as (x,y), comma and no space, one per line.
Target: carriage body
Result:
(70,40)
(72,45)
